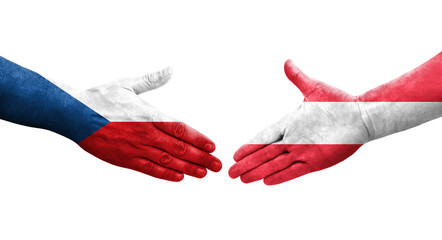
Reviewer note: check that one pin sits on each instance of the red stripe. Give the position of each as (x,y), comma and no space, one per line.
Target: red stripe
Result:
(277,163)
(423,84)
(160,149)
(257,158)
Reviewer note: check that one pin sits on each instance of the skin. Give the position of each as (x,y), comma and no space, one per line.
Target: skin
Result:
(330,125)
(139,136)
(293,146)
(109,121)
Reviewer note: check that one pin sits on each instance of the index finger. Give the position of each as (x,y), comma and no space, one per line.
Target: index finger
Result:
(256,159)
(187,134)
(268,136)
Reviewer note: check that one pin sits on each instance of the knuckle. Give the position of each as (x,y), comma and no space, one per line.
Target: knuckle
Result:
(148,80)
(148,167)
(199,141)
(180,149)
(165,159)
(203,159)
(188,169)
(179,130)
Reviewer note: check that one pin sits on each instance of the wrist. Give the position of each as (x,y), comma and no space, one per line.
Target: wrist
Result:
(366,119)
(382,118)
(386,118)
(73,119)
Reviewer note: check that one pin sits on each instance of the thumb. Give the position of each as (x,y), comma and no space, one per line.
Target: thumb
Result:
(148,82)
(304,83)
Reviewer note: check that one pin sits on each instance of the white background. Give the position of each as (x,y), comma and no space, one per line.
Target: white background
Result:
(229,84)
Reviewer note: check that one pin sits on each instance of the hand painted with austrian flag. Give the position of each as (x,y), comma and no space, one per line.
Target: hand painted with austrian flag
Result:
(110,122)
(330,125)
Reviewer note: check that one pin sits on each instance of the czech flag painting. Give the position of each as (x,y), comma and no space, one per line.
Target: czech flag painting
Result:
(330,125)
(111,122)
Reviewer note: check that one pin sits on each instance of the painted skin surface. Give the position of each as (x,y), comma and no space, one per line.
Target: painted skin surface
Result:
(110,121)
(140,137)
(330,125)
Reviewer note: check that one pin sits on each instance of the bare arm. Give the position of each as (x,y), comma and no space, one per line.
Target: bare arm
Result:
(330,125)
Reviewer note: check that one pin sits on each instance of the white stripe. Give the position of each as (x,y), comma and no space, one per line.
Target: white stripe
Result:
(392,117)
(117,104)
(347,122)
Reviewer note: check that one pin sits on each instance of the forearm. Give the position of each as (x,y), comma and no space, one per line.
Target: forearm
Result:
(410,100)
(27,98)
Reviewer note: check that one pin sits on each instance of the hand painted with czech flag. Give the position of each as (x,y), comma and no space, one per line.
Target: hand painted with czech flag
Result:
(110,122)
(141,138)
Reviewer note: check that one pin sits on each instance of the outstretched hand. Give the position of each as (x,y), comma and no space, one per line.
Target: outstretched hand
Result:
(324,130)
(140,137)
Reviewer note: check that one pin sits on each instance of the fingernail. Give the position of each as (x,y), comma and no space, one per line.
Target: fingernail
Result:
(232,173)
(209,147)
(178,176)
(245,180)
(201,172)
(216,166)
